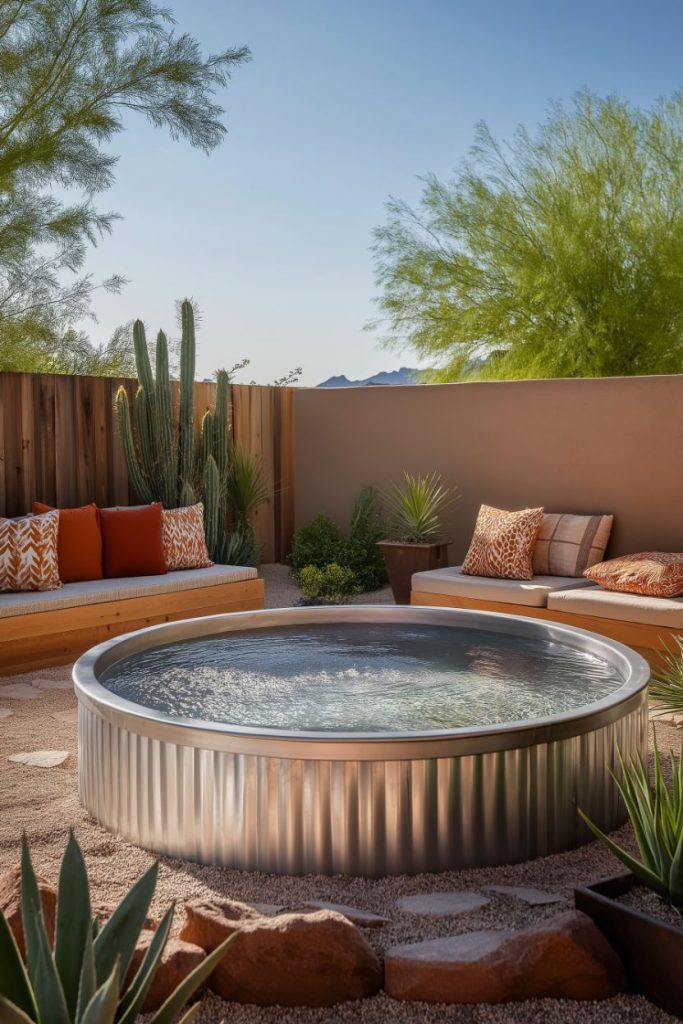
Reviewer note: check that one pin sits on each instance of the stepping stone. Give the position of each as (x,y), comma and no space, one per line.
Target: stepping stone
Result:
(70,716)
(53,684)
(363,918)
(442,904)
(267,909)
(20,691)
(40,758)
(5,712)
(536,897)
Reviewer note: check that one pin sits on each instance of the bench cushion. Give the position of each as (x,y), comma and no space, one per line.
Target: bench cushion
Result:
(71,595)
(454,583)
(608,604)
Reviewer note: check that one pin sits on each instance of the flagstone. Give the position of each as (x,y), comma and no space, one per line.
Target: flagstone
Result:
(40,758)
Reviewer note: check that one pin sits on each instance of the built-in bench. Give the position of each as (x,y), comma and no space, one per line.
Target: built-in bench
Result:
(647,624)
(56,626)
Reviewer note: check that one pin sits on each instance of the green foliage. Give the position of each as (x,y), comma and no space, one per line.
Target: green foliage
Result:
(83,980)
(332,584)
(656,813)
(415,508)
(165,464)
(70,70)
(667,685)
(321,543)
(557,255)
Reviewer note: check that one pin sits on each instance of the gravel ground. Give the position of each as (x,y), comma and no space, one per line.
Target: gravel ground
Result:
(44,803)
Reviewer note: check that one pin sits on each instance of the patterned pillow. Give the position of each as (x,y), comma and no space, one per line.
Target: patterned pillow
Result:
(183,537)
(28,553)
(502,545)
(650,573)
(568,545)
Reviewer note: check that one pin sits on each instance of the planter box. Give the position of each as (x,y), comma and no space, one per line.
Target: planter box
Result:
(651,950)
(402,560)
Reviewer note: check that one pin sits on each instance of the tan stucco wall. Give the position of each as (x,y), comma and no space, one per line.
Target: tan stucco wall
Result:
(611,445)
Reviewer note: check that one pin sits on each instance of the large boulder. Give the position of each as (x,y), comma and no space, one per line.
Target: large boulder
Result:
(296,959)
(177,961)
(10,904)
(564,957)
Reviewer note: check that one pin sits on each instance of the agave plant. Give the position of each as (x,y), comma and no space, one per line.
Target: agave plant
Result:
(84,979)
(656,813)
(415,507)
(667,686)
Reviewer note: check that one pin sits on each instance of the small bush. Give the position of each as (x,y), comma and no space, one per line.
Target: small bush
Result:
(318,544)
(333,583)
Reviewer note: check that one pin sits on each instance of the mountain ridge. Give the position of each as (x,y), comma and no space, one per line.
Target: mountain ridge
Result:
(405,375)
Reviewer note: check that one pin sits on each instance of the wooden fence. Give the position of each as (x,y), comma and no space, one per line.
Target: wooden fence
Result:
(59,443)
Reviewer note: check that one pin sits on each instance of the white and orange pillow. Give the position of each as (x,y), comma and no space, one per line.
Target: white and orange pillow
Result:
(503,542)
(28,553)
(183,538)
(649,573)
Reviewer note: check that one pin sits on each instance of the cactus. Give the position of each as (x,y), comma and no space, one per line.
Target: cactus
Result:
(164,464)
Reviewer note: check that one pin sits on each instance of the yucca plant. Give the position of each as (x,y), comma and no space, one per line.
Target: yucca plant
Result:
(656,813)
(667,686)
(84,979)
(415,507)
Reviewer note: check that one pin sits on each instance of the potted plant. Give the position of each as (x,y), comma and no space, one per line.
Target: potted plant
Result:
(651,949)
(414,509)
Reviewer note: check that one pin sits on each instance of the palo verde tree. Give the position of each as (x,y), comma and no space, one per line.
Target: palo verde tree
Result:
(559,254)
(69,69)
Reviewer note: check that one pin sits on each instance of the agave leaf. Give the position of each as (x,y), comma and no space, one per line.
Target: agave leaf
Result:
(642,873)
(102,1007)
(175,1002)
(190,1014)
(676,874)
(47,987)
(642,826)
(140,985)
(73,925)
(14,983)
(11,1014)
(87,982)
(116,940)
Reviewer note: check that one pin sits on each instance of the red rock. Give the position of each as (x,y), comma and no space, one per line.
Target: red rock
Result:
(10,904)
(177,961)
(564,957)
(316,959)
(103,911)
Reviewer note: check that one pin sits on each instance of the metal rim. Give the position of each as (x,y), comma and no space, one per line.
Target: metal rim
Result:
(356,745)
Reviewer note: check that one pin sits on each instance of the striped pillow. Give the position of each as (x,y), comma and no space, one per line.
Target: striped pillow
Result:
(567,545)
(28,553)
(650,573)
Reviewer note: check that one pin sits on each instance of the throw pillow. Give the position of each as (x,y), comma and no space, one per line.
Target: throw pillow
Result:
(650,573)
(79,542)
(502,545)
(28,553)
(132,541)
(567,545)
(184,540)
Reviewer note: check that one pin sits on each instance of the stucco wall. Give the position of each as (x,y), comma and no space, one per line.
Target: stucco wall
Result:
(611,445)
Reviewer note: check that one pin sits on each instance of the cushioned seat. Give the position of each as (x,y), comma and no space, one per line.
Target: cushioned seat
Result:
(73,595)
(534,593)
(608,604)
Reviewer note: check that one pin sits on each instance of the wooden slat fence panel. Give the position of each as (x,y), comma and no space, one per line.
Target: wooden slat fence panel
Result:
(59,443)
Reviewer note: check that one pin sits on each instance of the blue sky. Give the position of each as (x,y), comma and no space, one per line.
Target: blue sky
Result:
(342,105)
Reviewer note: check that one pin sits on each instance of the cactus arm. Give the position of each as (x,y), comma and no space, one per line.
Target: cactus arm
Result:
(135,475)
(168,472)
(220,440)
(187,370)
(211,494)
(147,447)
(207,437)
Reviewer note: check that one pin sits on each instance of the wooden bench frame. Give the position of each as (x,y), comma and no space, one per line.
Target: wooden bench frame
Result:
(36,640)
(650,641)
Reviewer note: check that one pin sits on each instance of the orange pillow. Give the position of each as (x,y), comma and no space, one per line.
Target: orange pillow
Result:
(184,540)
(502,545)
(132,541)
(649,573)
(28,553)
(79,542)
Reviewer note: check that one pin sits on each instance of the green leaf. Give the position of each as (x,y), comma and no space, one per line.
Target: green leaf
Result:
(117,939)
(14,983)
(102,1007)
(644,874)
(74,923)
(190,1015)
(140,985)
(41,967)
(87,982)
(11,1014)
(187,988)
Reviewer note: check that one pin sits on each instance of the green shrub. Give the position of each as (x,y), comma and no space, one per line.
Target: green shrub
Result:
(332,583)
(667,686)
(320,543)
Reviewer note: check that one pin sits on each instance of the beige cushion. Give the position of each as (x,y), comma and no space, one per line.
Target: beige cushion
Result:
(71,595)
(454,583)
(567,545)
(607,604)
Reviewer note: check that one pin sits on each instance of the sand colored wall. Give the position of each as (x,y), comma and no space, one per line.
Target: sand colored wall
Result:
(588,446)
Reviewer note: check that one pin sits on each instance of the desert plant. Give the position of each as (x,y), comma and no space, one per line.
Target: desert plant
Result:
(367,527)
(667,685)
(84,980)
(318,543)
(656,813)
(415,507)
(332,584)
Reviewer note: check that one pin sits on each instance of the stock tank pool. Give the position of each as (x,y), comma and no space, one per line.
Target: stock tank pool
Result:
(360,740)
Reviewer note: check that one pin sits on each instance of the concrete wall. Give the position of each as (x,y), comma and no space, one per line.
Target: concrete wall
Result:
(586,446)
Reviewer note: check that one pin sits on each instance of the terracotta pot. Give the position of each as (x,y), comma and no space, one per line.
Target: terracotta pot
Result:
(402,560)
(651,950)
